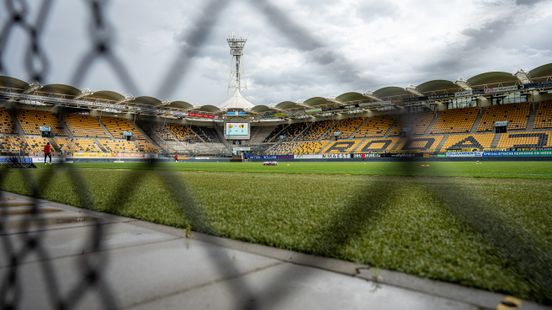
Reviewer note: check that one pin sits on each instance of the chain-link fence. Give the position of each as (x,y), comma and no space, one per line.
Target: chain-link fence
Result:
(513,244)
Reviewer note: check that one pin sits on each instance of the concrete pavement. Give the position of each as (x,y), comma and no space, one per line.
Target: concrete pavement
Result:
(146,266)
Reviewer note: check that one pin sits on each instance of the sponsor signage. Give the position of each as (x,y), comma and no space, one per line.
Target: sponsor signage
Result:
(464,154)
(501,89)
(311,111)
(547,153)
(336,156)
(200,115)
(367,155)
(313,156)
(236,113)
(241,148)
(435,97)
(263,157)
(537,85)
(464,93)
(178,114)
(422,98)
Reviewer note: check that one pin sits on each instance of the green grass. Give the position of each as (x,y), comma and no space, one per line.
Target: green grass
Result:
(530,170)
(452,229)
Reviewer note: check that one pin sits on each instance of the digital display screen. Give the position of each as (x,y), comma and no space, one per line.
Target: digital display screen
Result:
(236,130)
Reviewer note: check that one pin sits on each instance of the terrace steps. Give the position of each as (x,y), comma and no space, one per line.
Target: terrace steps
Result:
(531,119)
(109,134)
(433,121)
(442,143)
(477,121)
(496,139)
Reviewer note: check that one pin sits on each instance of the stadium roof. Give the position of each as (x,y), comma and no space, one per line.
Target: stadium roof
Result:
(542,72)
(289,105)
(263,108)
(145,100)
(207,108)
(493,78)
(391,91)
(179,105)
(320,101)
(354,96)
(377,100)
(105,95)
(438,86)
(58,89)
(13,83)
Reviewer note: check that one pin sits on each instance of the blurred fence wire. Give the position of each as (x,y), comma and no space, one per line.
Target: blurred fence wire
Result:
(530,261)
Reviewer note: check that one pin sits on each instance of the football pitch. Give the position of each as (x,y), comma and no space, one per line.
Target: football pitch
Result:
(481,224)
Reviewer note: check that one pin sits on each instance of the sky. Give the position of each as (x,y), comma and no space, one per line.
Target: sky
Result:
(296,49)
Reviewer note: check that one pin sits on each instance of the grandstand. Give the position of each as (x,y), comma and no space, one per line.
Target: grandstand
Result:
(470,142)
(182,133)
(317,130)
(308,147)
(543,118)
(455,121)
(374,127)
(439,116)
(525,140)
(6,123)
(116,127)
(82,125)
(32,120)
(516,115)
(346,127)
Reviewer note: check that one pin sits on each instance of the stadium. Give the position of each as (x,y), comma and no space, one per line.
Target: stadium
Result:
(431,195)
(496,114)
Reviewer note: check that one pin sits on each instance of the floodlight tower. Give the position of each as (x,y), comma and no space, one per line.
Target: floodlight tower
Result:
(236,50)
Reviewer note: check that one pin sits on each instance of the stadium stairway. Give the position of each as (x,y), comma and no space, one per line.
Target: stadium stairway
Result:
(103,148)
(199,136)
(259,134)
(220,135)
(433,121)
(56,147)
(18,128)
(302,133)
(531,119)
(109,134)
(358,128)
(273,146)
(442,143)
(477,121)
(496,139)
(328,134)
(325,147)
(147,137)
(358,145)
(273,138)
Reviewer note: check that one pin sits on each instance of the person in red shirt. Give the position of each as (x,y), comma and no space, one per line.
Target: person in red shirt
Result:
(48,152)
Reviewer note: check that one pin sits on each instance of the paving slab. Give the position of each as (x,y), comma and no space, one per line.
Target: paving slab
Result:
(289,286)
(142,265)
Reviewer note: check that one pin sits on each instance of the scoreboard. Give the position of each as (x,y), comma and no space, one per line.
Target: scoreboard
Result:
(237,131)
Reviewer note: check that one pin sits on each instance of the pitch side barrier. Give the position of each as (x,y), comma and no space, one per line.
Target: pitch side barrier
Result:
(541,155)
(16,162)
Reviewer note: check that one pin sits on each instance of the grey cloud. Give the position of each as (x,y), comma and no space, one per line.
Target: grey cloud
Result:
(487,34)
(370,10)
(529,2)
(316,65)
(336,65)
